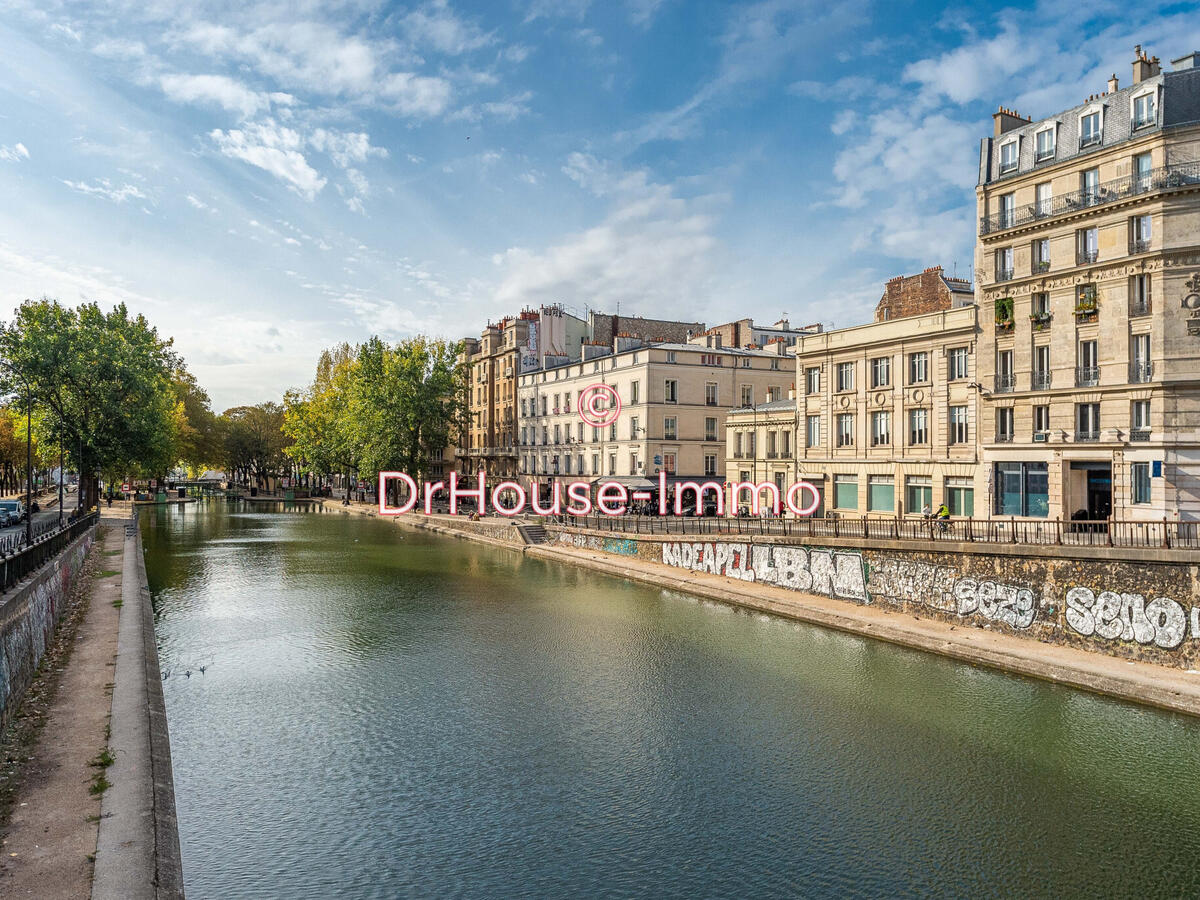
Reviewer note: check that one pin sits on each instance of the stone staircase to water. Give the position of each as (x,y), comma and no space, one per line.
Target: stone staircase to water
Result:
(533,534)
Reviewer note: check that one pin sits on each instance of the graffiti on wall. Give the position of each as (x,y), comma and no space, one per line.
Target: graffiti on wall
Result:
(900,580)
(1127,617)
(29,621)
(621,546)
(834,573)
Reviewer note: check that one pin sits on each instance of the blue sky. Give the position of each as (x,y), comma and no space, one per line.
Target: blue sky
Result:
(265,179)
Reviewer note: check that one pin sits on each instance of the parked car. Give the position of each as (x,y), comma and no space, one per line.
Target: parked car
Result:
(15,510)
(5,519)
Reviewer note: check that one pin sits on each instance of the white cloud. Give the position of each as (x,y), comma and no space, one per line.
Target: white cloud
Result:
(506,110)
(15,153)
(653,247)
(216,89)
(415,95)
(435,24)
(557,9)
(106,189)
(197,203)
(345,147)
(642,12)
(274,149)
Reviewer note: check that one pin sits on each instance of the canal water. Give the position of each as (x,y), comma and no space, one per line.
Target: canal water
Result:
(389,714)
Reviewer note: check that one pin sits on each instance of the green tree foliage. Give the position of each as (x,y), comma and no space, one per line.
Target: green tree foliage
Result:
(378,407)
(105,384)
(254,443)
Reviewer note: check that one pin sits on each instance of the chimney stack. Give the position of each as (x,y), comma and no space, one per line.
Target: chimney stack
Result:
(1112,84)
(1007,119)
(1144,66)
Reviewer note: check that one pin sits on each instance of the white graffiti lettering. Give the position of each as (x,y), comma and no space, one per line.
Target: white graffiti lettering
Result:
(1127,617)
(834,573)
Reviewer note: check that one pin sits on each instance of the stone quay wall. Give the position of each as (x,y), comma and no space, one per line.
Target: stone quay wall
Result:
(1133,604)
(29,614)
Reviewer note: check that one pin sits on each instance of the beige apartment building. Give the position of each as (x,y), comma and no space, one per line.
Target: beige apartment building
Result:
(1088,277)
(884,418)
(525,342)
(674,399)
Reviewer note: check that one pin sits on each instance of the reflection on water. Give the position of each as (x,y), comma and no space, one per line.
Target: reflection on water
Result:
(391,714)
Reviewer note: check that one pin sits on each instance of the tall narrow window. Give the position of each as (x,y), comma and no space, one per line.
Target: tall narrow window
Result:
(1140,417)
(918,367)
(672,391)
(1004,424)
(1139,352)
(1142,169)
(1087,246)
(1045,144)
(1139,295)
(1044,199)
(812,429)
(1008,209)
(881,372)
(1143,111)
(918,427)
(1140,228)
(1089,185)
(1089,130)
(845,430)
(881,429)
(957,364)
(845,376)
(1008,158)
(959,431)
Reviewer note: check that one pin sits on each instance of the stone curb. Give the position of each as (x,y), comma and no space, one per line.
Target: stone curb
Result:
(137,851)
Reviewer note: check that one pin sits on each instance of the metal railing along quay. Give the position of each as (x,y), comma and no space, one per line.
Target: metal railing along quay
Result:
(1059,532)
(48,542)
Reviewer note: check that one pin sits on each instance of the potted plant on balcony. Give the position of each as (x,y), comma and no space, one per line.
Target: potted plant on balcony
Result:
(1039,320)
(1086,303)
(1004,314)
(1041,267)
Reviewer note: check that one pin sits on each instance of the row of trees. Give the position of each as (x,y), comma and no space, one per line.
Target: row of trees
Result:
(101,387)
(377,407)
(110,395)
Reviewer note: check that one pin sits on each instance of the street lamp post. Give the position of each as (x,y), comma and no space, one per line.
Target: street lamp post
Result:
(60,478)
(29,471)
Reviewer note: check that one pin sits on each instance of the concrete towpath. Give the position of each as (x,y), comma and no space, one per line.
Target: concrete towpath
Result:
(93,814)
(50,839)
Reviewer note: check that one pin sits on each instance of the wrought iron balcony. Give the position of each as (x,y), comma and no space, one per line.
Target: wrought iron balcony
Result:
(1005,384)
(1089,140)
(1041,381)
(1139,435)
(1087,376)
(1140,373)
(1164,178)
(1004,274)
(1004,437)
(1087,437)
(1139,246)
(1083,257)
(1139,308)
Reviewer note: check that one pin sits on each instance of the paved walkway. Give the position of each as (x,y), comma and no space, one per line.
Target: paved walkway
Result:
(50,840)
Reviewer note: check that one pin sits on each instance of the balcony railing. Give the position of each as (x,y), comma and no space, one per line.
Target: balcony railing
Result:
(1163,178)
(1140,373)
(1004,437)
(1139,435)
(1086,437)
(1087,376)
(1041,381)
(1083,257)
(1089,140)
(1136,246)
(1005,384)
(1139,308)
(1004,274)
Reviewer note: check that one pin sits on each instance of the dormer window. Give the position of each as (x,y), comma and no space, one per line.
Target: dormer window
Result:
(1045,144)
(1143,111)
(1089,129)
(1008,157)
